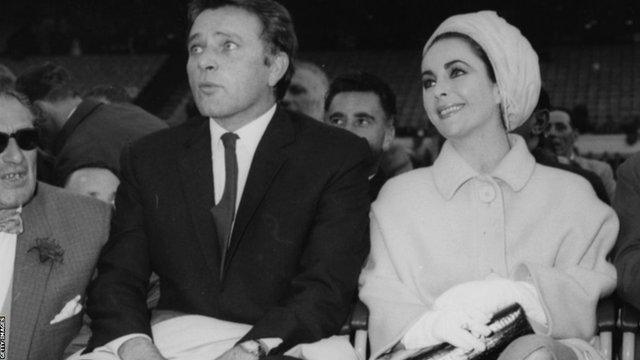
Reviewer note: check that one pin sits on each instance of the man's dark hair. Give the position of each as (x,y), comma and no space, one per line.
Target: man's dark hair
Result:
(278,33)
(544,102)
(363,82)
(48,82)
(112,93)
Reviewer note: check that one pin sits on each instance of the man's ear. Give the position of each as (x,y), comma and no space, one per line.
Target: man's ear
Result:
(389,135)
(278,65)
(540,124)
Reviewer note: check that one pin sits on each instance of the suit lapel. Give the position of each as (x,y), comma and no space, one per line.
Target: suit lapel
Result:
(83,110)
(197,184)
(267,160)
(30,277)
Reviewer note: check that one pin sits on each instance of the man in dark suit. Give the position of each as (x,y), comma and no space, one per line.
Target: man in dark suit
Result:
(50,240)
(84,136)
(250,215)
(365,105)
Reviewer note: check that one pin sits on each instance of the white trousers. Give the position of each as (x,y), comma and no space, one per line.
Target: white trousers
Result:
(196,337)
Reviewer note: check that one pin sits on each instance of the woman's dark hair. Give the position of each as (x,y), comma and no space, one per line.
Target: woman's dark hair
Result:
(477,49)
(278,33)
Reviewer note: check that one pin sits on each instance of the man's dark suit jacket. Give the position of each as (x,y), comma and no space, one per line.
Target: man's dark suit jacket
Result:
(627,249)
(299,240)
(547,158)
(95,135)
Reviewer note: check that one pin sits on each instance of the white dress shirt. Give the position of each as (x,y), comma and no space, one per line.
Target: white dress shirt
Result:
(248,138)
(7,259)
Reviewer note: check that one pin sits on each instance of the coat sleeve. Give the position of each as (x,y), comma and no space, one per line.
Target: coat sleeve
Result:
(323,291)
(580,274)
(117,296)
(627,252)
(393,306)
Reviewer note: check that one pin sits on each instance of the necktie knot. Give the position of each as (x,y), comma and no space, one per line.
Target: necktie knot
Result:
(11,221)
(229,140)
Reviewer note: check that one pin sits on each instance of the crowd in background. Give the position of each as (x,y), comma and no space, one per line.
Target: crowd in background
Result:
(459,209)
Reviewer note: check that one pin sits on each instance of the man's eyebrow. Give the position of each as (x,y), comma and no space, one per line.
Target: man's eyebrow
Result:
(192,37)
(217,33)
(364,114)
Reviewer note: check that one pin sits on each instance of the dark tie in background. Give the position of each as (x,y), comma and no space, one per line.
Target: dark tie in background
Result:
(224,211)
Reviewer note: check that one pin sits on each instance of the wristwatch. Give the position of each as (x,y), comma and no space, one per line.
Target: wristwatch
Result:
(254,347)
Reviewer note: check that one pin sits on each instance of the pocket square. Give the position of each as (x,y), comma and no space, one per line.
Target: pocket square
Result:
(71,308)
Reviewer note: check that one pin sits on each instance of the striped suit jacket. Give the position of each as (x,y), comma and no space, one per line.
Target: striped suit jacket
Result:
(80,226)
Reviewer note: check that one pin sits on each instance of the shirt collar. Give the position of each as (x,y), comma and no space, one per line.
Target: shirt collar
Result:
(72,112)
(451,171)
(248,135)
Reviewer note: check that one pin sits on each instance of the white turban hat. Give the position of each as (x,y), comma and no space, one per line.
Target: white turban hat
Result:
(514,61)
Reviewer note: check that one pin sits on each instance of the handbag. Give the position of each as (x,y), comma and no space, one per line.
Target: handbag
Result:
(506,325)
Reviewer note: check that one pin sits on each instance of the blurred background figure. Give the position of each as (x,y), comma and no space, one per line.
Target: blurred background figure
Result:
(533,131)
(85,136)
(363,104)
(109,94)
(306,92)
(561,139)
(7,78)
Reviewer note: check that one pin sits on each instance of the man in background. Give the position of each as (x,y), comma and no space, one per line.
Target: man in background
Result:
(534,130)
(85,136)
(307,90)
(561,139)
(363,104)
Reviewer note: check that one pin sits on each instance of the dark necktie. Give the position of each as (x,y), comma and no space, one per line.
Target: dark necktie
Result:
(10,222)
(224,211)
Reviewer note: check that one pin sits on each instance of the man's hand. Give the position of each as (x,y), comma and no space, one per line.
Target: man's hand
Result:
(139,348)
(237,353)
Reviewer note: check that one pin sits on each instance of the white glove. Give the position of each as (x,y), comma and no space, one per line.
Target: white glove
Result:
(492,295)
(461,328)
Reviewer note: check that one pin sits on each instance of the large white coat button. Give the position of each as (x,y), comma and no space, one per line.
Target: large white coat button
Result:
(487,193)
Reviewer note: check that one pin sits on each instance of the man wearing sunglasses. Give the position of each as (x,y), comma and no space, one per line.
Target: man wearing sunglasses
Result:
(49,244)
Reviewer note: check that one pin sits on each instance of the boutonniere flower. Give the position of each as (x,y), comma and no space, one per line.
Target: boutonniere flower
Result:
(48,250)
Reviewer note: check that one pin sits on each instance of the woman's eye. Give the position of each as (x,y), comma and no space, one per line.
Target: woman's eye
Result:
(455,72)
(427,83)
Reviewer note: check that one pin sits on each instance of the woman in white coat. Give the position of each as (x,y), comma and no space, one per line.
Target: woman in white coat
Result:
(485,226)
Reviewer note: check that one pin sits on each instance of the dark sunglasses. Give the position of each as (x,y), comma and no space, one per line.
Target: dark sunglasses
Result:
(27,139)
